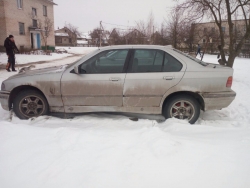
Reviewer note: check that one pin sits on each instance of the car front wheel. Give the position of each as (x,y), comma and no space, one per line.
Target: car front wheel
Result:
(30,103)
(182,107)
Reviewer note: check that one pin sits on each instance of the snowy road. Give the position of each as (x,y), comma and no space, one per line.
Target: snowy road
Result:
(111,151)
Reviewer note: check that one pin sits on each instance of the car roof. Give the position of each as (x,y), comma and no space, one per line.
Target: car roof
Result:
(136,47)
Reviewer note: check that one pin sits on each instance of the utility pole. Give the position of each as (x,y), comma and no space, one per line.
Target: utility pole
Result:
(100,33)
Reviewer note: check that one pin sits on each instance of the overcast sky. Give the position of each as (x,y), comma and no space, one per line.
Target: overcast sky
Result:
(86,14)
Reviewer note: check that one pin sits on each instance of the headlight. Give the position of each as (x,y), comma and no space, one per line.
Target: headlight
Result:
(3,86)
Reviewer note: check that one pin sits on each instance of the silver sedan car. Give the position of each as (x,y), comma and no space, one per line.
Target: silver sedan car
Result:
(130,78)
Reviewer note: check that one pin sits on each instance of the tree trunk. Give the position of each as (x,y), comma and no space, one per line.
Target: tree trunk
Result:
(230,61)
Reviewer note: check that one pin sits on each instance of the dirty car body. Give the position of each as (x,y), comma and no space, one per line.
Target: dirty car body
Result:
(130,78)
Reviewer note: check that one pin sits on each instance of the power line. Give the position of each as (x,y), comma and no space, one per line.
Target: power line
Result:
(116,24)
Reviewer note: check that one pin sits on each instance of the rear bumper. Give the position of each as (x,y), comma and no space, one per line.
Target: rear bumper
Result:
(217,101)
(4,99)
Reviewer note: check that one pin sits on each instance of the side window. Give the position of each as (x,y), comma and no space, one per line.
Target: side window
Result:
(147,61)
(111,61)
(171,64)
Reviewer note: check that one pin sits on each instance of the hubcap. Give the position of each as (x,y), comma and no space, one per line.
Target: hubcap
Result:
(182,110)
(31,106)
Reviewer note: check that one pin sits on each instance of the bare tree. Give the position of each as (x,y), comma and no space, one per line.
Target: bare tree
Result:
(146,28)
(151,27)
(178,30)
(219,11)
(73,33)
(95,35)
(45,26)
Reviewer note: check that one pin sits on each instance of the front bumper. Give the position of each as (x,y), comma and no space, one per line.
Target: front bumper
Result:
(217,101)
(4,99)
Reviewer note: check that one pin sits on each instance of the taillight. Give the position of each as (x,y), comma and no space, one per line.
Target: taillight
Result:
(229,81)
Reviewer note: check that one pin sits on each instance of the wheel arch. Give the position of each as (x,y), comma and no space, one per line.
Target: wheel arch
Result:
(18,89)
(196,96)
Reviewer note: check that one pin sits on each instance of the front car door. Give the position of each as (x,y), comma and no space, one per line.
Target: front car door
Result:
(152,72)
(99,84)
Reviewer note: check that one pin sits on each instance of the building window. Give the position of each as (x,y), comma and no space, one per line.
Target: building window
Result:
(213,29)
(204,41)
(223,29)
(34,23)
(205,30)
(20,4)
(34,12)
(21,28)
(58,40)
(44,10)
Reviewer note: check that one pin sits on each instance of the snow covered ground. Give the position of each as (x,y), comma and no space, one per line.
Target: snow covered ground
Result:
(23,59)
(101,150)
(77,50)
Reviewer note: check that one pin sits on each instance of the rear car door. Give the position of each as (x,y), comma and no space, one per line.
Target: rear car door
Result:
(151,74)
(99,82)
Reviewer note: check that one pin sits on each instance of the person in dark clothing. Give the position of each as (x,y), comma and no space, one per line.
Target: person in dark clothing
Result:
(198,50)
(10,47)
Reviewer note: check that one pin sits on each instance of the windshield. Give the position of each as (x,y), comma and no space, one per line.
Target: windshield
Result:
(190,57)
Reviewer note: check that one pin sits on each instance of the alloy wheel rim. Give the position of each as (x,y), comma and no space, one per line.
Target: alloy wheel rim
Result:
(182,110)
(31,106)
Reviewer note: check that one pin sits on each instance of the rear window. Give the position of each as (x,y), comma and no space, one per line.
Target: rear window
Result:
(190,57)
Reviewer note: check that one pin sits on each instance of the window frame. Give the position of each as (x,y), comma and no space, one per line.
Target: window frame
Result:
(223,29)
(45,11)
(20,4)
(129,69)
(34,21)
(19,24)
(34,11)
(58,40)
(125,66)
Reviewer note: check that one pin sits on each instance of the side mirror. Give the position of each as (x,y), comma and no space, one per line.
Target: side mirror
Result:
(76,69)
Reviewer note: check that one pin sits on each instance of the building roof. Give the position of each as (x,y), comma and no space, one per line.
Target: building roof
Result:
(50,1)
(61,34)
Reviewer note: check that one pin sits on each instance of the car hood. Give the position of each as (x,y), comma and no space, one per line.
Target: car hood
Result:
(56,69)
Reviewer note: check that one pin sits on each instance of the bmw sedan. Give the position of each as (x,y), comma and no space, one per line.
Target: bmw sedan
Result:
(130,78)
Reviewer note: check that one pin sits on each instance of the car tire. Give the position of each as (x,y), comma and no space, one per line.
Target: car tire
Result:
(182,107)
(30,103)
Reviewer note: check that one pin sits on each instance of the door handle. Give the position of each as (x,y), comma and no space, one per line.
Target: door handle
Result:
(114,79)
(168,77)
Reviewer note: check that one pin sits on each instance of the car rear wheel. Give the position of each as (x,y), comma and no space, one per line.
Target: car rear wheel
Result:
(182,107)
(30,104)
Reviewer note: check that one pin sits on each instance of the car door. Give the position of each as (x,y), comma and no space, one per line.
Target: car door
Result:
(99,82)
(151,73)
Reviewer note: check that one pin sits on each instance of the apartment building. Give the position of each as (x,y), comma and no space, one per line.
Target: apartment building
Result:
(20,18)
(208,33)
